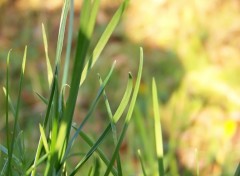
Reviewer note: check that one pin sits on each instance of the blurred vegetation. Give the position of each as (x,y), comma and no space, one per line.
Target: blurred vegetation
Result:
(192,49)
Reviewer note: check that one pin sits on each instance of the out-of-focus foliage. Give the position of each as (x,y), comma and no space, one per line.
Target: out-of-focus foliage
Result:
(204,112)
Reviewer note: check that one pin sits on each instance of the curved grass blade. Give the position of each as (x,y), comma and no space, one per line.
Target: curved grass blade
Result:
(49,67)
(103,40)
(44,139)
(117,115)
(158,130)
(129,114)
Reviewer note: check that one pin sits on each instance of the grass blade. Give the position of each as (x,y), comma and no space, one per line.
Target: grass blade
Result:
(69,43)
(158,130)
(103,40)
(17,108)
(44,139)
(49,67)
(129,114)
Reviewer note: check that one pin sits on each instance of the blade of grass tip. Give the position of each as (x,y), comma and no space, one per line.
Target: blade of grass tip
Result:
(237,172)
(18,105)
(103,39)
(81,52)
(49,67)
(129,113)
(44,100)
(91,109)
(62,31)
(9,102)
(158,130)
(141,161)
(69,43)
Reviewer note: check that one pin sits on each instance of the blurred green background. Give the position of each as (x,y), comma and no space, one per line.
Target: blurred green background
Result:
(192,48)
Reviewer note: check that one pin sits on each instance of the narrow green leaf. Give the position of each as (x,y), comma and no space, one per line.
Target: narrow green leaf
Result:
(69,44)
(49,67)
(18,106)
(158,130)
(103,40)
(44,138)
(129,114)
(44,100)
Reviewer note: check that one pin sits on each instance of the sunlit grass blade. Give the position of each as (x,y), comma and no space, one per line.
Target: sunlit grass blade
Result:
(158,130)
(103,39)
(69,43)
(129,113)
(17,108)
(49,67)
(62,31)
(44,138)
(40,161)
(141,161)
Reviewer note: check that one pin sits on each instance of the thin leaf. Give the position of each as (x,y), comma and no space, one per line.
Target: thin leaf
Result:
(49,67)
(103,40)
(158,130)
(18,106)
(44,138)
(44,100)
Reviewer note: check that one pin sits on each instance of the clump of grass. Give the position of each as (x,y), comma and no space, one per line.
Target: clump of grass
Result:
(55,142)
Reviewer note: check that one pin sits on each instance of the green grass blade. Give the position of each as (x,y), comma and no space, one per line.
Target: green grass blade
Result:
(40,161)
(158,130)
(49,67)
(62,31)
(141,161)
(9,102)
(97,167)
(44,138)
(18,106)
(69,44)
(129,114)
(44,100)
(103,39)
